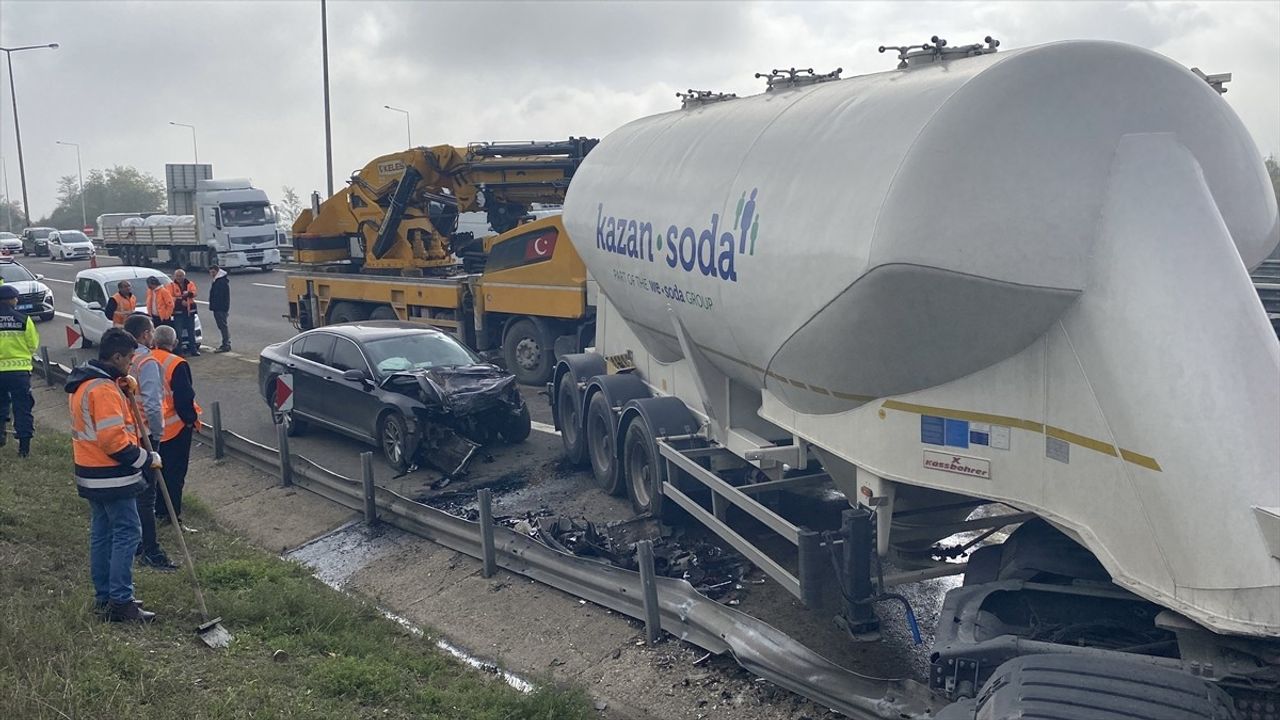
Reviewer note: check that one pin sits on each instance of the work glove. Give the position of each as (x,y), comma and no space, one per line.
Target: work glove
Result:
(128,384)
(156,462)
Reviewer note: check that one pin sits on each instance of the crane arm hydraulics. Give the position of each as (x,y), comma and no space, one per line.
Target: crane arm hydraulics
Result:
(399,214)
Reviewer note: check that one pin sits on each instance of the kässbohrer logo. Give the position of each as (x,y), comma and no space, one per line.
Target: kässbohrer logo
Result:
(711,252)
(958,464)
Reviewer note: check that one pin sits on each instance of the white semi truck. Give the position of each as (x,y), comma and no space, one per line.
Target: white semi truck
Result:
(982,290)
(229,221)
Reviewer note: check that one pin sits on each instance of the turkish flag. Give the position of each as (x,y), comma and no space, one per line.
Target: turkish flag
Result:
(540,247)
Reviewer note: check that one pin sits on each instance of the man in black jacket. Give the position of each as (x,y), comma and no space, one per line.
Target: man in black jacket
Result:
(220,303)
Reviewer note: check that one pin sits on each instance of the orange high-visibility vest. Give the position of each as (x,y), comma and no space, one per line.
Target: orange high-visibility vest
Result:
(172,421)
(101,425)
(179,302)
(160,303)
(124,308)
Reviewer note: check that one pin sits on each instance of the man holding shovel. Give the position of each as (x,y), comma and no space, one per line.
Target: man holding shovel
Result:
(107,446)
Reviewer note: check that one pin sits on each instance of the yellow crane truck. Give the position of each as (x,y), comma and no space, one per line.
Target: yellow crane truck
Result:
(386,247)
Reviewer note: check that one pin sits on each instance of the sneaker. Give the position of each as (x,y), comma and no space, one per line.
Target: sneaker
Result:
(24,447)
(128,612)
(157,561)
(223,348)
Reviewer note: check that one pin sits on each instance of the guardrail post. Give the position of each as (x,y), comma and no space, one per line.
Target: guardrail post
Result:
(286,462)
(649,588)
(48,367)
(811,568)
(486,533)
(366,476)
(219,442)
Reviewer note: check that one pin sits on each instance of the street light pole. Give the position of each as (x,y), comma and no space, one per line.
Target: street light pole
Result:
(328,133)
(8,201)
(194,150)
(84,216)
(407,129)
(17,132)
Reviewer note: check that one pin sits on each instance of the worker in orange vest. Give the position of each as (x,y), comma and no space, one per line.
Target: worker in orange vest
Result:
(159,302)
(184,312)
(109,461)
(181,419)
(121,305)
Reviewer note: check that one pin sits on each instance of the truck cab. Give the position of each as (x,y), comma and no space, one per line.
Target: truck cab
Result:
(236,221)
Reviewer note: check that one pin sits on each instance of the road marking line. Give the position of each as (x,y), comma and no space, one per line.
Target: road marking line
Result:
(68,282)
(64,315)
(202,302)
(280,287)
(543,427)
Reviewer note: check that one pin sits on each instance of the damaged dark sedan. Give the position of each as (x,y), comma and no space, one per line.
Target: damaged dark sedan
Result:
(413,391)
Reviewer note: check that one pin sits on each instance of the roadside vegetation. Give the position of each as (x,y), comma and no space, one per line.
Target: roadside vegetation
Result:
(301,649)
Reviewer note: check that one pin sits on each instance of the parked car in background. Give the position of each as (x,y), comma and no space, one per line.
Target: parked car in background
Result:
(93,287)
(34,297)
(411,390)
(35,240)
(10,244)
(70,245)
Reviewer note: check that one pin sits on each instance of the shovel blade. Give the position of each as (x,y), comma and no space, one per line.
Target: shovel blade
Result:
(214,635)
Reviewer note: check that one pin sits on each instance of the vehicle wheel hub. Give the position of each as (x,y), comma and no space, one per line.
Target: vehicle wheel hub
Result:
(528,354)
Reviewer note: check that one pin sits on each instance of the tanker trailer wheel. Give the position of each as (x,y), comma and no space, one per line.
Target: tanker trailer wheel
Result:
(641,468)
(529,355)
(570,421)
(602,447)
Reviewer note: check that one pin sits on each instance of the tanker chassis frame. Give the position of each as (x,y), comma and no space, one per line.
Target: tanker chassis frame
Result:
(1035,609)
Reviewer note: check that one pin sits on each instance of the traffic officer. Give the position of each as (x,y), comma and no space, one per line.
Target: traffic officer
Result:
(184,312)
(146,369)
(159,302)
(121,305)
(181,419)
(18,342)
(109,461)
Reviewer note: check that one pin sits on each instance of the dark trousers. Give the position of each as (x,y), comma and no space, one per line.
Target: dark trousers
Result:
(15,391)
(176,455)
(185,325)
(220,317)
(147,515)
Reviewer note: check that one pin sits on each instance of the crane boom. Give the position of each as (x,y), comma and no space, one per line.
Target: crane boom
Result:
(399,213)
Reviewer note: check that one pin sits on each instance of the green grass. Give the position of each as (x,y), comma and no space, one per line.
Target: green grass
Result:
(344,660)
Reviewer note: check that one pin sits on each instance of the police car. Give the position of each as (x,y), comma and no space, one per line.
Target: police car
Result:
(35,298)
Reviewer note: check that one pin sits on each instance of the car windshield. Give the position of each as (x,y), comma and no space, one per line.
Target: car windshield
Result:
(244,215)
(13,272)
(72,236)
(8,236)
(40,233)
(419,351)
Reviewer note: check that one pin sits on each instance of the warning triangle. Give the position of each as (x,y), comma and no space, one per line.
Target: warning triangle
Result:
(284,393)
(73,337)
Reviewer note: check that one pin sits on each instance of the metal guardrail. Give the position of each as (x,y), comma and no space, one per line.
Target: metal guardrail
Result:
(672,604)
(679,609)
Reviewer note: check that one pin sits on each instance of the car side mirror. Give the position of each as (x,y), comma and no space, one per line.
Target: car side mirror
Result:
(94,306)
(39,276)
(356,376)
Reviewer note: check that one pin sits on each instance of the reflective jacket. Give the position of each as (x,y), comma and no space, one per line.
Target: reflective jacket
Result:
(18,340)
(105,442)
(183,305)
(160,303)
(124,307)
(178,399)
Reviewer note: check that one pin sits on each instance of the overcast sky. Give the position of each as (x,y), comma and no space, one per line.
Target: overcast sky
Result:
(248,75)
